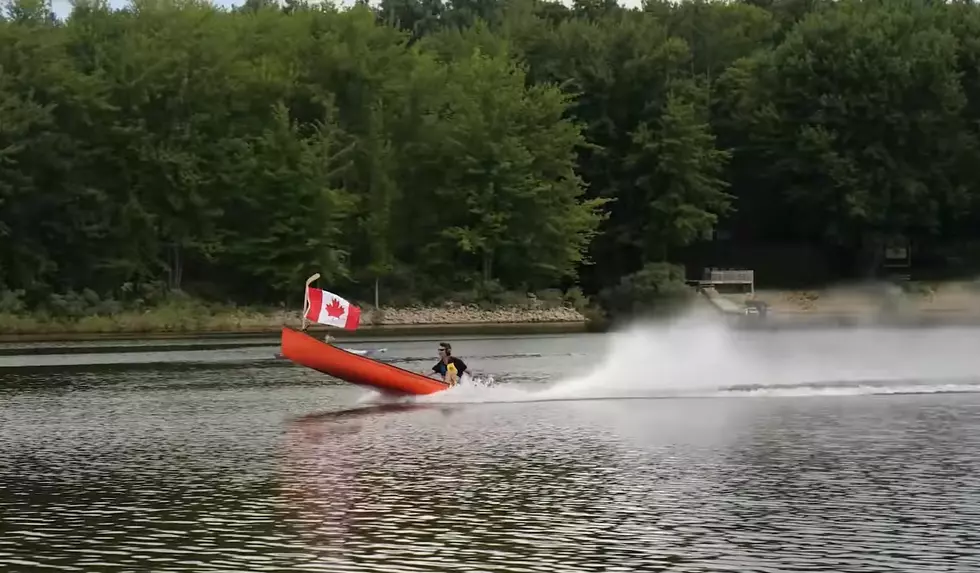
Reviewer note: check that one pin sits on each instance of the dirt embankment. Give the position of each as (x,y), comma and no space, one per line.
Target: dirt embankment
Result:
(925,302)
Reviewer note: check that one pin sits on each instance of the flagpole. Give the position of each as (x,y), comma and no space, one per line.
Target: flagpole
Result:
(306,298)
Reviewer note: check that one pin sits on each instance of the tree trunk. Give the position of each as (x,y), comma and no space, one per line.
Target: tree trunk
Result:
(178,268)
(175,270)
(487,265)
(873,253)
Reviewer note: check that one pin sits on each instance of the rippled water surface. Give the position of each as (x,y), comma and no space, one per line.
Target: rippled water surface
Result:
(664,451)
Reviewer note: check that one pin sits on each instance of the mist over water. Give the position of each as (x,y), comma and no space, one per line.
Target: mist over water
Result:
(699,356)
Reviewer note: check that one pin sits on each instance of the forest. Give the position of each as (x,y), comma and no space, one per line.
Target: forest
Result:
(427,149)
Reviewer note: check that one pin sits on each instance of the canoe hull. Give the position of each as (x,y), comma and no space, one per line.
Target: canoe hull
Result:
(307,351)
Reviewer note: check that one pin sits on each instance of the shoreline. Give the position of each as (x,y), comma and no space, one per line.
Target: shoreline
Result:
(365,332)
(826,321)
(952,304)
(186,324)
(790,321)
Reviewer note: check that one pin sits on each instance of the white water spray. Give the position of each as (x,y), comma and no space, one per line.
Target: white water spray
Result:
(698,356)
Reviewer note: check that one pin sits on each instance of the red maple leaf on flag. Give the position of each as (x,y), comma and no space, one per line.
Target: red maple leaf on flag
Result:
(334,309)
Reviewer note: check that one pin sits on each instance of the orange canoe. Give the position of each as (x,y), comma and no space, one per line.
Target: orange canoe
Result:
(305,350)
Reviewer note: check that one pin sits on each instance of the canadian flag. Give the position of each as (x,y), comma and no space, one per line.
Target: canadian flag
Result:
(332,310)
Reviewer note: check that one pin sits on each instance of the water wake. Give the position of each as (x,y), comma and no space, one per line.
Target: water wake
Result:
(699,357)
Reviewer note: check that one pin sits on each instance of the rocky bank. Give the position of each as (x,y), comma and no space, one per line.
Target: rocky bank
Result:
(460,314)
(242,320)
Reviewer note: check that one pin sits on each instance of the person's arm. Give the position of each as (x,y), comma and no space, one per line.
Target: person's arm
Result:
(460,366)
(435,370)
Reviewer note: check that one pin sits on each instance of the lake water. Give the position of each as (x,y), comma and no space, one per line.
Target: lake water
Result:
(690,448)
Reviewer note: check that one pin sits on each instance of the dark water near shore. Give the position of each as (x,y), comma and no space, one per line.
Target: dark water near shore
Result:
(692,450)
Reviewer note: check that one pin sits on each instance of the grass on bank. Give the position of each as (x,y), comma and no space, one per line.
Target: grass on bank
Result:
(654,289)
(178,313)
(169,317)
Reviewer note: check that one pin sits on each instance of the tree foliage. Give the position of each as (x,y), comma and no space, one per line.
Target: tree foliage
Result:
(437,147)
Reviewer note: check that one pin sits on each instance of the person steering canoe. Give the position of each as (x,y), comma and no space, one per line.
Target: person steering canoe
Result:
(449,367)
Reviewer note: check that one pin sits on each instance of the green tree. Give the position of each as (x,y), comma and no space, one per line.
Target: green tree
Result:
(861,107)
(427,147)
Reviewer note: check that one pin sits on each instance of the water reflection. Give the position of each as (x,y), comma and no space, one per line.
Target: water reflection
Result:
(862,486)
(426,489)
(183,468)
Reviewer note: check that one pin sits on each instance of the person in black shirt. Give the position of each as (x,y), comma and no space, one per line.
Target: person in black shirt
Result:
(445,359)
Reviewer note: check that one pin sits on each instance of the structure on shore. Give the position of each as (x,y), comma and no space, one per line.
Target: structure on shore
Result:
(717,285)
